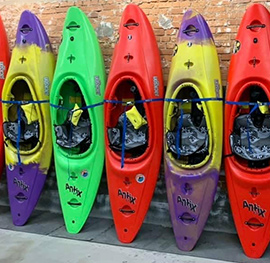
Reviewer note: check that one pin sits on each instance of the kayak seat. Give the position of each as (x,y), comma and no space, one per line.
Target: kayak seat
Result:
(250,141)
(193,138)
(133,138)
(29,130)
(69,136)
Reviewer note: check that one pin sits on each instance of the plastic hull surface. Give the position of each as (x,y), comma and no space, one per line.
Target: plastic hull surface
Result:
(28,79)
(79,80)
(136,60)
(249,187)
(191,187)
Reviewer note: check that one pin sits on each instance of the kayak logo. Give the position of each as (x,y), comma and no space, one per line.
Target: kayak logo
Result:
(256,209)
(156,86)
(187,203)
(74,190)
(128,196)
(217,88)
(47,83)
(21,184)
(2,70)
(97,85)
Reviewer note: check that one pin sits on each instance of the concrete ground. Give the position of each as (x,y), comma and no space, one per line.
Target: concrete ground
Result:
(44,239)
(31,248)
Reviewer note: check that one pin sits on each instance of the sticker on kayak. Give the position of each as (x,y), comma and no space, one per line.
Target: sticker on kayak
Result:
(97,85)
(2,70)
(84,173)
(256,209)
(10,167)
(140,178)
(127,195)
(187,203)
(46,82)
(21,184)
(74,190)
(156,86)
(217,88)
(236,46)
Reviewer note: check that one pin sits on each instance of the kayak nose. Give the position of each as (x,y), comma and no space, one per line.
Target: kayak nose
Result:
(31,31)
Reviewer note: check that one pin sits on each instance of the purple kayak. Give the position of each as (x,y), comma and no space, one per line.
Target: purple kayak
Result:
(26,117)
(193,130)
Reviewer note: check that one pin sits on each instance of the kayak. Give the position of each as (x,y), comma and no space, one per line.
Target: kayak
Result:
(77,118)
(4,64)
(133,124)
(193,113)
(247,131)
(26,117)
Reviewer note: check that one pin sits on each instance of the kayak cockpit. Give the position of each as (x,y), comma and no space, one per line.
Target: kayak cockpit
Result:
(23,120)
(133,126)
(73,126)
(250,139)
(188,139)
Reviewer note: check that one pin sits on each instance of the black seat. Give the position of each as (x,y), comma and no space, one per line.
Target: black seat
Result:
(134,138)
(69,136)
(29,132)
(193,138)
(250,141)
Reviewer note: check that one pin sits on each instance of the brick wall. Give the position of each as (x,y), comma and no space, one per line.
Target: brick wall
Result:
(165,16)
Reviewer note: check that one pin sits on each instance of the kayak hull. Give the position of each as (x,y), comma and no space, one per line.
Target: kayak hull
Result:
(4,64)
(78,173)
(131,181)
(248,187)
(187,201)
(191,187)
(21,191)
(28,79)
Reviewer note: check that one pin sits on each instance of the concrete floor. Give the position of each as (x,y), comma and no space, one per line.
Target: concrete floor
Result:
(31,248)
(44,239)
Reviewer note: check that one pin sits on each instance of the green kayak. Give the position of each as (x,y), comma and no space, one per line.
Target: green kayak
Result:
(77,118)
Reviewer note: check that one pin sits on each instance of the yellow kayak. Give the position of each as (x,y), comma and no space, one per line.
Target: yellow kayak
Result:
(26,116)
(193,129)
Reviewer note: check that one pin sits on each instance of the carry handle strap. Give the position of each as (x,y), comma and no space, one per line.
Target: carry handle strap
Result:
(131,24)
(256,26)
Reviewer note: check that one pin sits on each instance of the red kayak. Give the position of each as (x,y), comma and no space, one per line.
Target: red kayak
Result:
(247,131)
(133,122)
(4,63)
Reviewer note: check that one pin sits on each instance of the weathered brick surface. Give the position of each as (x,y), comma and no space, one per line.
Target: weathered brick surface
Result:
(165,16)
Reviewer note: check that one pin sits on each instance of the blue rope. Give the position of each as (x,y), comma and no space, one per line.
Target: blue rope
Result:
(193,100)
(245,103)
(82,108)
(256,106)
(124,138)
(179,128)
(133,102)
(22,102)
(19,134)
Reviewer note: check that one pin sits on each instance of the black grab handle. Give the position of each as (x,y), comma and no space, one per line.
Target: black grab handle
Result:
(131,24)
(26,29)
(254,224)
(186,31)
(127,211)
(73,26)
(255,26)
